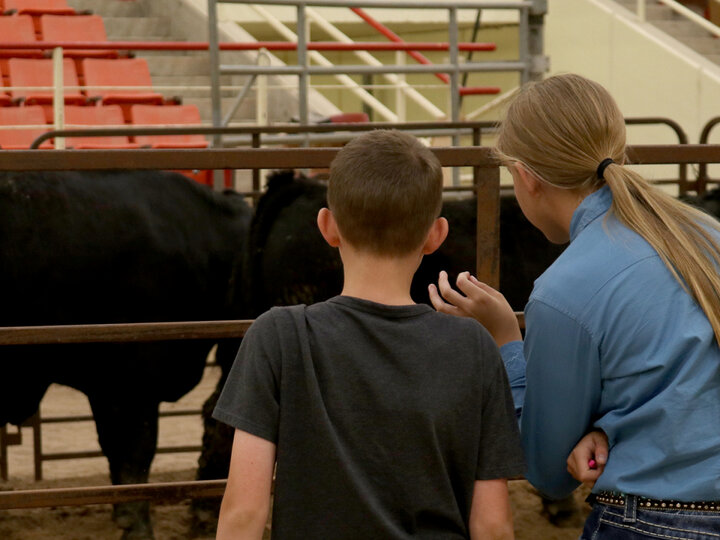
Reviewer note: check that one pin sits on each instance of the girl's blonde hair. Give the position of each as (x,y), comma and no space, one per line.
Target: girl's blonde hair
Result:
(562,128)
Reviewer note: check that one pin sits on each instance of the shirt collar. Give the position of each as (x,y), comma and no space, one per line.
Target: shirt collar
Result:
(592,207)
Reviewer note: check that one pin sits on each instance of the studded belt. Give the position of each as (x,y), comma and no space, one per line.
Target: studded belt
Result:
(615,499)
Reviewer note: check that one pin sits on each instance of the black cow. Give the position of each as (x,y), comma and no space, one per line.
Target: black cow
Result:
(114,247)
(289,263)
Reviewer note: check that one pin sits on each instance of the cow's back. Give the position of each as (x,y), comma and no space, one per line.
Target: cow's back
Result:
(110,247)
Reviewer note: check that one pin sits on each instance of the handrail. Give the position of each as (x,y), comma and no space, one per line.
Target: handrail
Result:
(258,130)
(402,4)
(703,180)
(683,185)
(246,46)
(393,37)
(681,10)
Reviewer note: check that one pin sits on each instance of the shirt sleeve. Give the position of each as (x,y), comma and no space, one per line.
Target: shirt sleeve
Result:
(514,360)
(563,391)
(250,398)
(500,454)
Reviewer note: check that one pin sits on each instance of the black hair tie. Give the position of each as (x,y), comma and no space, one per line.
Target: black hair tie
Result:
(603,165)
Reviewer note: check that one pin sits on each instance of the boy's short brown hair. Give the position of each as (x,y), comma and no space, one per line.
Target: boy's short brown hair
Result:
(385,191)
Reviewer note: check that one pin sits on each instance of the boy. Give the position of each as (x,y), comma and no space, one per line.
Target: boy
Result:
(387,419)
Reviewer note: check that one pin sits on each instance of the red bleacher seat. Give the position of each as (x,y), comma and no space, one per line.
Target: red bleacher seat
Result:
(349,118)
(30,72)
(120,72)
(78,28)
(4,96)
(110,115)
(144,115)
(36,8)
(168,115)
(20,139)
(18,28)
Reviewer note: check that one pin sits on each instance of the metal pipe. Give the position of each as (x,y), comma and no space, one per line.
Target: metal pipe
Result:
(58,95)
(410,4)
(238,100)
(508,65)
(248,46)
(215,70)
(454,82)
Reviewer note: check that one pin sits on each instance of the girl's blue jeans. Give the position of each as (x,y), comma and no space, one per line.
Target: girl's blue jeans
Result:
(607,522)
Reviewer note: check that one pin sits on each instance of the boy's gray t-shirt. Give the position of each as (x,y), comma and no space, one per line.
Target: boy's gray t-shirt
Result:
(383,416)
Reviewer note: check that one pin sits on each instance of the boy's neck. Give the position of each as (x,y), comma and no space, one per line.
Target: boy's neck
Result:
(385,280)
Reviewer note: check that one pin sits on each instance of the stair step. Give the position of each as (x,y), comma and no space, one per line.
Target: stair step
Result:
(246,112)
(137,27)
(192,80)
(703,45)
(173,64)
(110,8)
(681,28)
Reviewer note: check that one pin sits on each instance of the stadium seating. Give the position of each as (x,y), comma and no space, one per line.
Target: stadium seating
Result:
(4,96)
(110,115)
(18,28)
(120,72)
(78,28)
(37,8)
(20,139)
(31,72)
(167,115)
(148,115)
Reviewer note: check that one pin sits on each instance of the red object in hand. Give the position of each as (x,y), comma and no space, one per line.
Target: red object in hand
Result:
(592,464)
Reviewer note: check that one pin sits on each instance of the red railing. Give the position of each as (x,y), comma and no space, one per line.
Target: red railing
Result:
(412,52)
(247,46)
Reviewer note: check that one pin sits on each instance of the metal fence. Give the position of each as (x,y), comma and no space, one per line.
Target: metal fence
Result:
(487,188)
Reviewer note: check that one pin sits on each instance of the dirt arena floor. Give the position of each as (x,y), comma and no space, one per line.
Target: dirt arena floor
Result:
(171,521)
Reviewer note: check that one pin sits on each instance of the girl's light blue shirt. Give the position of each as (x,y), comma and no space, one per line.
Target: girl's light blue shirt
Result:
(614,342)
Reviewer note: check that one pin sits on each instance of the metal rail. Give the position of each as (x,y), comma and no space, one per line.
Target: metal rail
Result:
(531,64)
(245,46)
(702,179)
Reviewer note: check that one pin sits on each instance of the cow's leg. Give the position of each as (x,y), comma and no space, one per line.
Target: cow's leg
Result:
(127,433)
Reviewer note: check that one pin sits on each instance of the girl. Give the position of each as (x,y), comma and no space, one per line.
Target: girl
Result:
(621,331)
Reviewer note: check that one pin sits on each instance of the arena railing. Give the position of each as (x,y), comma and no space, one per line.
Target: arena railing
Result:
(702,178)
(256,136)
(485,166)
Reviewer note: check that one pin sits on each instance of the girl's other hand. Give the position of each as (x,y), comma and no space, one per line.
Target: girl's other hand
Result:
(479,301)
(587,460)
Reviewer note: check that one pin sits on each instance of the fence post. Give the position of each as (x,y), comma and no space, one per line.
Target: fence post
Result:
(539,63)
(641,12)
(58,97)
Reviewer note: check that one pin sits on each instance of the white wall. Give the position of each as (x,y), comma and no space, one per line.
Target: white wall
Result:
(648,73)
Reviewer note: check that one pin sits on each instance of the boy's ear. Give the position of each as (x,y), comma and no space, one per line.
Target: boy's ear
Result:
(532,183)
(436,235)
(328,227)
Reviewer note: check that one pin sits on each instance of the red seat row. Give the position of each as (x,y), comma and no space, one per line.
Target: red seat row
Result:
(20,29)
(98,73)
(35,9)
(110,116)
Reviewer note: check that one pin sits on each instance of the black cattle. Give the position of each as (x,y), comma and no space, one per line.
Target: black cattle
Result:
(290,263)
(114,247)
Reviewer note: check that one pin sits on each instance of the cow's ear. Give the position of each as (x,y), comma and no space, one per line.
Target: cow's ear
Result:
(436,235)
(328,227)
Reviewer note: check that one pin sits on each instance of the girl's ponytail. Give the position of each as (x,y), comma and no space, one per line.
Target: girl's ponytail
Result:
(570,132)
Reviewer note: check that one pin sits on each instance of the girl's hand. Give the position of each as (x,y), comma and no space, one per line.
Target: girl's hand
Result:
(479,301)
(587,460)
